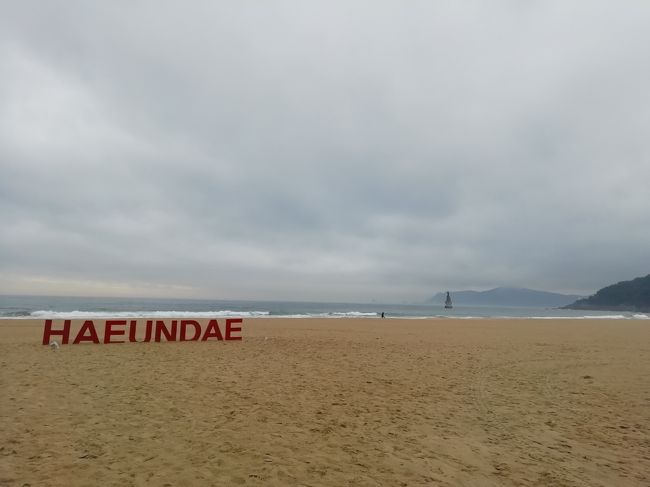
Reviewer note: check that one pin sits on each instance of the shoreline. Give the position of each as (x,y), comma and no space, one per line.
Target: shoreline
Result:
(74,316)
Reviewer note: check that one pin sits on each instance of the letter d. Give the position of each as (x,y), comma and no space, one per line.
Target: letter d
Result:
(197,330)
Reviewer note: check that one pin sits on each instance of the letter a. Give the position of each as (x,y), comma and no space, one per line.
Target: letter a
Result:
(212,331)
(89,328)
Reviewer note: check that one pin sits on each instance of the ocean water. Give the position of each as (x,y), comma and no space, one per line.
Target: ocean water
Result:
(57,307)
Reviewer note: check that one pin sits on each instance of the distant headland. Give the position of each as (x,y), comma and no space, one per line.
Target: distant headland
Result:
(631,295)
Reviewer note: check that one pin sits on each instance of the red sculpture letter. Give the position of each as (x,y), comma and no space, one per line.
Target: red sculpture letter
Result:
(48,332)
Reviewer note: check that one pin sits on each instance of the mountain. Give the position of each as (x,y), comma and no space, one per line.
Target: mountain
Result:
(631,295)
(505,296)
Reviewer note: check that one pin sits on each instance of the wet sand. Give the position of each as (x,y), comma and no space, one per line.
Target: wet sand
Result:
(333,402)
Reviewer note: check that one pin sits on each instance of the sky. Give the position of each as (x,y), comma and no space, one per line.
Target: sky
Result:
(322,151)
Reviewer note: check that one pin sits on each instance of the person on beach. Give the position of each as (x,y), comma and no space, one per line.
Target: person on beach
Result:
(382,314)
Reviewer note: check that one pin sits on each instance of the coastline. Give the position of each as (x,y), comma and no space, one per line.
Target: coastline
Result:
(333,402)
(614,309)
(43,307)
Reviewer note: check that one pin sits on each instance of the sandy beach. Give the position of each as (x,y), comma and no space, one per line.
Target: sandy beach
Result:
(333,402)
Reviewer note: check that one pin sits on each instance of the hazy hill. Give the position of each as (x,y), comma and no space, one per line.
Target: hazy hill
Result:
(631,295)
(505,296)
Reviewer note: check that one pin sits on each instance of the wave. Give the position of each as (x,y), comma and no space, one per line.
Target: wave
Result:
(48,314)
(353,314)
(585,317)
(334,314)
(145,314)
(77,314)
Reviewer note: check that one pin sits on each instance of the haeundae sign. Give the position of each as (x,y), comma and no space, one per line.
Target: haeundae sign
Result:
(177,330)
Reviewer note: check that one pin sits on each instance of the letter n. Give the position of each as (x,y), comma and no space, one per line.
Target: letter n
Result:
(161,329)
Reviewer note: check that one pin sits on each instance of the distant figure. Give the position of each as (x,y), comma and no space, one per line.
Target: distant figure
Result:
(382,314)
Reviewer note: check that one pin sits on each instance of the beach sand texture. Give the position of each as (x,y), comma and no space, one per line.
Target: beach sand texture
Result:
(333,402)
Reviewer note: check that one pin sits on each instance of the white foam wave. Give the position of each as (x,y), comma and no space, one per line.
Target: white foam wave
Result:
(348,314)
(353,313)
(460,317)
(585,317)
(605,317)
(43,314)
(145,314)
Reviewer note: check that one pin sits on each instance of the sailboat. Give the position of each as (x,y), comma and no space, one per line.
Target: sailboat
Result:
(448,304)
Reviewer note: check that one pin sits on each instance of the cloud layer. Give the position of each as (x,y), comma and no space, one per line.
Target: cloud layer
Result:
(336,151)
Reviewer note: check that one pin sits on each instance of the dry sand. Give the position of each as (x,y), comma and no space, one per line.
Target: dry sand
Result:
(333,403)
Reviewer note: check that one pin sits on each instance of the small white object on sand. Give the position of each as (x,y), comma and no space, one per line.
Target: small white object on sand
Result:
(54,345)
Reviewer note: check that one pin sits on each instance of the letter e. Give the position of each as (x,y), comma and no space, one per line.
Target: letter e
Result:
(230,328)
(109,332)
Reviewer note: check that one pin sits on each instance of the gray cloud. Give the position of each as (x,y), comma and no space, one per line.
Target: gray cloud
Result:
(327,152)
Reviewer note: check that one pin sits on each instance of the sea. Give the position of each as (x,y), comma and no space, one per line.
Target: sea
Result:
(59,307)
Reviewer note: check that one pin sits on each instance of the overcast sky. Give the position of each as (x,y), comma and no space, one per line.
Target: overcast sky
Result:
(329,151)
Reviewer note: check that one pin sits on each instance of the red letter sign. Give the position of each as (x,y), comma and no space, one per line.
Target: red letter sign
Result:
(212,331)
(48,332)
(184,325)
(88,327)
(109,332)
(230,328)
